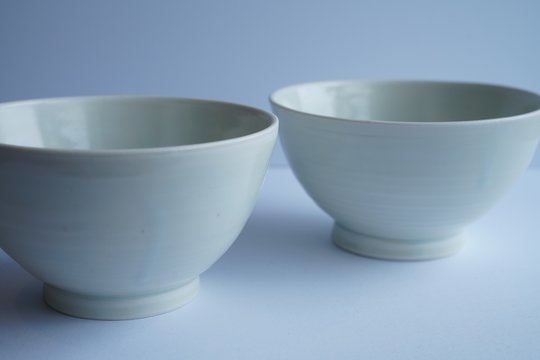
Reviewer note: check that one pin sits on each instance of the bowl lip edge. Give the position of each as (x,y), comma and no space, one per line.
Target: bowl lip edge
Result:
(271,127)
(473,122)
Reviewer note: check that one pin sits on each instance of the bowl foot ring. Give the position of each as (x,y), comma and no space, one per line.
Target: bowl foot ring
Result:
(119,308)
(395,249)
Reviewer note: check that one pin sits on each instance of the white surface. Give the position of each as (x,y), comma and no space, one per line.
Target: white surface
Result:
(283,291)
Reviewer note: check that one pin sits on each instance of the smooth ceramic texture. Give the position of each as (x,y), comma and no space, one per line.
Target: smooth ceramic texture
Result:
(404,166)
(118,204)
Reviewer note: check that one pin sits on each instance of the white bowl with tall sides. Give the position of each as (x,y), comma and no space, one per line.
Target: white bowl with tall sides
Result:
(118,204)
(404,166)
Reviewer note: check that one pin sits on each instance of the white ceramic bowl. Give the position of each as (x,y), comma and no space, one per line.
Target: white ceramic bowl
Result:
(119,203)
(404,166)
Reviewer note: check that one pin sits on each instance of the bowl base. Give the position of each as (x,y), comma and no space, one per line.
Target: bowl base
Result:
(118,308)
(395,249)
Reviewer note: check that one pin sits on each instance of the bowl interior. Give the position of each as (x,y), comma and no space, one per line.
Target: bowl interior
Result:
(125,122)
(407,101)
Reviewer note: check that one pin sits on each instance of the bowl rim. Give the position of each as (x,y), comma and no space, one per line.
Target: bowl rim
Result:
(473,122)
(272,126)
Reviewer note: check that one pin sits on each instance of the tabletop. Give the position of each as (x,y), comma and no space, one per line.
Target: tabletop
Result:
(284,291)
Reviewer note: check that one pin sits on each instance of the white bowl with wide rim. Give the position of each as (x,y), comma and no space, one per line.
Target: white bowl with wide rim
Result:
(119,203)
(404,166)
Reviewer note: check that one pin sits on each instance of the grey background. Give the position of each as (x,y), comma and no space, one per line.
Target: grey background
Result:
(241,50)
